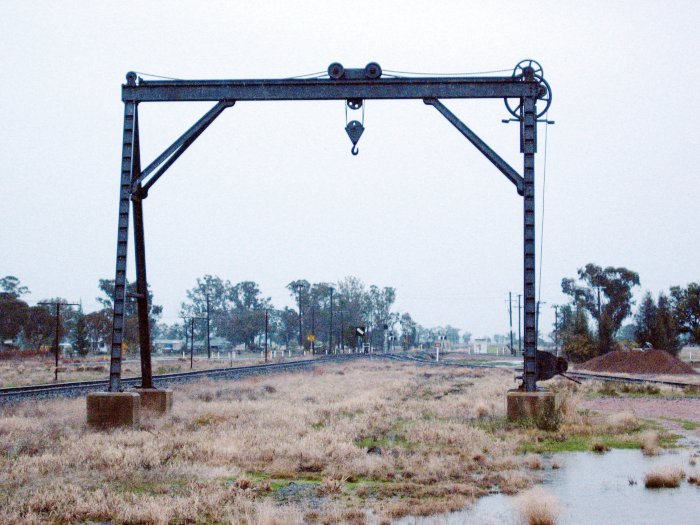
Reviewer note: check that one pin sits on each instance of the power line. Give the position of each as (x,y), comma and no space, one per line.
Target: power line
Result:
(544,186)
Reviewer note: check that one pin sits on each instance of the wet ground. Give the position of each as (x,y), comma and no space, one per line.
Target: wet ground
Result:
(596,489)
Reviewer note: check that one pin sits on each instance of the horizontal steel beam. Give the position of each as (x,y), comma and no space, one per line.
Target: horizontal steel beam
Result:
(328,89)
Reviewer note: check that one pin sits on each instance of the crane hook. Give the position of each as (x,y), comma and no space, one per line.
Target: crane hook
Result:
(354,150)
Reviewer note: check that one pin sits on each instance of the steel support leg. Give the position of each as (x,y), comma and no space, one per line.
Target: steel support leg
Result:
(127,169)
(528,147)
(140,256)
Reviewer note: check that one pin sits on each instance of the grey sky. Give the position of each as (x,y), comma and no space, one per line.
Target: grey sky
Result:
(271,192)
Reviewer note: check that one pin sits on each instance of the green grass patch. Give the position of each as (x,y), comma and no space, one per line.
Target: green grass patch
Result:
(686,424)
(579,444)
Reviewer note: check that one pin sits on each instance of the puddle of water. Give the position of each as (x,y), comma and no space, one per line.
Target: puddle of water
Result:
(594,489)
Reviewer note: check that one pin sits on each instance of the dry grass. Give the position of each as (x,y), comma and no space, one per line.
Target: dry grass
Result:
(39,370)
(622,422)
(664,477)
(538,507)
(317,446)
(650,443)
(230,450)
(599,446)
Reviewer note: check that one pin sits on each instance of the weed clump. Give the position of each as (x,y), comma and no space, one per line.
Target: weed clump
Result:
(599,446)
(650,443)
(665,477)
(538,507)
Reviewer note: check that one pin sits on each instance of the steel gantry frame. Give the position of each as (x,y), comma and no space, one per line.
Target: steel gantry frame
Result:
(353,86)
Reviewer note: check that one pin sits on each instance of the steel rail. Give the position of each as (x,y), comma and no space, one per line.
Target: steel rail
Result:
(75,388)
(626,379)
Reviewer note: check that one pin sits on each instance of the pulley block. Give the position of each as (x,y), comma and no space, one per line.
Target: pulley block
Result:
(354,129)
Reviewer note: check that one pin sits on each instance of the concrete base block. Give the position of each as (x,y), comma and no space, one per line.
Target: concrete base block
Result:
(113,409)
(534,406)
(155,400)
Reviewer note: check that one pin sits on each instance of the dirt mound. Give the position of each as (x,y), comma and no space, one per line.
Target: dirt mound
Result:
(636,362)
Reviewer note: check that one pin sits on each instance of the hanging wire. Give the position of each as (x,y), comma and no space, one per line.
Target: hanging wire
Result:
(309,75)
(544,186)
(155,76)
(448,74)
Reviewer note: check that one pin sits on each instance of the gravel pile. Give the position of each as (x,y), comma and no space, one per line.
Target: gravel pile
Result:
(636,362)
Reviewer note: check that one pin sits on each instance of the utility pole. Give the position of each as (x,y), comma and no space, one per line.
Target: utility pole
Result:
(510,316)
(56,342)
(191,343)
(556,328)
(298,288)
(537,321)
(267,322)
(599,288)
(192,320)
(520,350)
(313,330)
(330,331)
(208,334)
(342,333)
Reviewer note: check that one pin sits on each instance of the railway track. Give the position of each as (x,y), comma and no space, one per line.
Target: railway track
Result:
(634,380)
(79,388)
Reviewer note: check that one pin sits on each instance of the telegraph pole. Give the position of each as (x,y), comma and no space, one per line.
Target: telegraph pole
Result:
(298,288)
(330,331)
(313,330)
(519,335)
(510,316)
(537,320)
(56,342)
(208,334)
(191,343)
(342,334)
(192,320)
(556,328)
(267,321)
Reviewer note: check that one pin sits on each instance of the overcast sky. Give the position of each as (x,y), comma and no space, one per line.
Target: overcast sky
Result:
(271,193)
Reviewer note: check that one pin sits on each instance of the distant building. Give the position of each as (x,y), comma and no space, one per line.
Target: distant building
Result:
(166,346)
(479,346)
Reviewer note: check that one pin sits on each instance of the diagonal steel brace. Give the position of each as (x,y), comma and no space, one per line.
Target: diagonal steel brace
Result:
(497,161)
(177,148)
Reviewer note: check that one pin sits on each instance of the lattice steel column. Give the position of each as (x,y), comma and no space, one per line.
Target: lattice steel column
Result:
(140,256)
(528,148)
(115,367)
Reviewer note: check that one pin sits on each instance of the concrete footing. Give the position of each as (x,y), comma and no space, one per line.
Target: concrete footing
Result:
(113,409)
(521,405)
(155,400)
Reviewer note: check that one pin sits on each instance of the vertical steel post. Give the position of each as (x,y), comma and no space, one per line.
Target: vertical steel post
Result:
(528,147)
(127,169)
(140,257)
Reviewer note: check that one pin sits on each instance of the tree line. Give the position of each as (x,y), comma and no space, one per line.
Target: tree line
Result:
(604,296)
(325,313)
